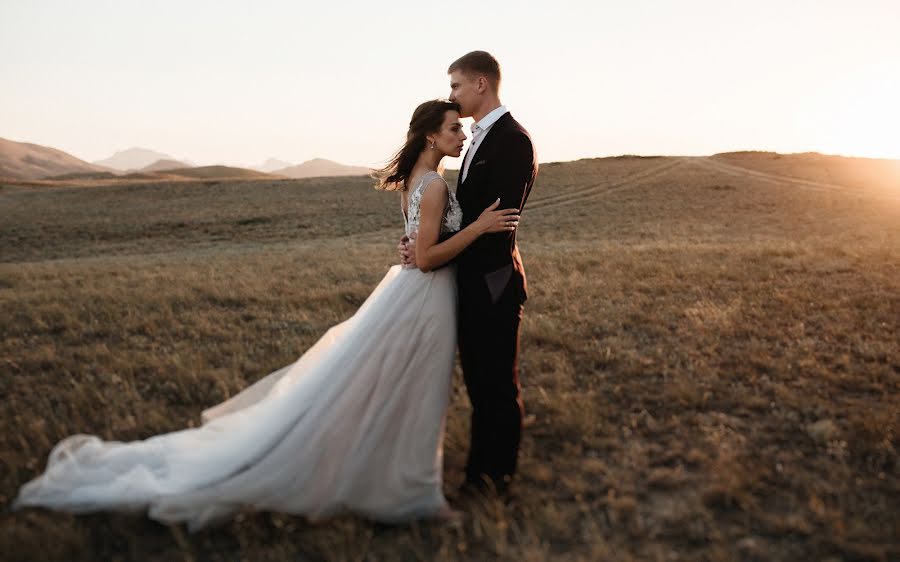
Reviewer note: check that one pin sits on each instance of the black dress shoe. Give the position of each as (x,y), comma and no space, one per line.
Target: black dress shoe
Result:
(485,489)
(471,489)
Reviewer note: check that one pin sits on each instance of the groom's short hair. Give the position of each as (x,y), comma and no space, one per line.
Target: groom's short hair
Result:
(479,63)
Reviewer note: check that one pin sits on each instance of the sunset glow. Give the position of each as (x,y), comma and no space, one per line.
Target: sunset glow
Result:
(865,117)
(239,82)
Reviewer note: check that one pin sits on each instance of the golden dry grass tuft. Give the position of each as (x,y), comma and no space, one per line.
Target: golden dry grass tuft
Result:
(710,358)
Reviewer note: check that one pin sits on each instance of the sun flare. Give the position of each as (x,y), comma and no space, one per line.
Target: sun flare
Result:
(865,116)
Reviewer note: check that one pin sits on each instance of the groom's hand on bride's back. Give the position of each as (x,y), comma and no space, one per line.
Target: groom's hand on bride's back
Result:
(401,248)
(407,250)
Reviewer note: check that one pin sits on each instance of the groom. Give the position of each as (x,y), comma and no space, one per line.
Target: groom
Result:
(501,162)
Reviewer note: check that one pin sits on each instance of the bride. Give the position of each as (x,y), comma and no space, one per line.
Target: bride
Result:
(355,424)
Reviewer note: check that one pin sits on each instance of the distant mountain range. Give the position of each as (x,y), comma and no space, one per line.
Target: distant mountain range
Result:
(171,174)
(270,165)
(318,167)
(136,159)
(26,161)
(23,160)
(165,164)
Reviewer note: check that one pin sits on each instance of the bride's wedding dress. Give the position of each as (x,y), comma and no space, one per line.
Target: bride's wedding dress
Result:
(355,424)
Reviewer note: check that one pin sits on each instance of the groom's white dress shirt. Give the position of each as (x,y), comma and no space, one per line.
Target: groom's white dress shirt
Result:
(479,130)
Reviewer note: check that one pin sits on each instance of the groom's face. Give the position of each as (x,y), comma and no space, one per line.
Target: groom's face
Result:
(464,91)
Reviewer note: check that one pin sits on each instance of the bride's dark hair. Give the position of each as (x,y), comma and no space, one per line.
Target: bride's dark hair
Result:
(426,119)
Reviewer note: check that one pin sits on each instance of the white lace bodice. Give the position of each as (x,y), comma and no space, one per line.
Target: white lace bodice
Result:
(452,212)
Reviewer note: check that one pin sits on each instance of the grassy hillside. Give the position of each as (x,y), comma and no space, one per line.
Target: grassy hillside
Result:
(709,361)
(218,172)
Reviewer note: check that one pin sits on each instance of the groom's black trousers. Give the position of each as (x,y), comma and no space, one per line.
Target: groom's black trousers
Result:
(488,349)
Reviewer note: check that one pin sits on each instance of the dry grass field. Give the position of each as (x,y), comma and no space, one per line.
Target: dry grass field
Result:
(710,355)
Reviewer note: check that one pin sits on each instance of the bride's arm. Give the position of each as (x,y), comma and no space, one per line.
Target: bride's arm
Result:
(430,252)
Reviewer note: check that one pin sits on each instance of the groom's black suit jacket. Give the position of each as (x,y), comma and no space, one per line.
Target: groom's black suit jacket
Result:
(504,166)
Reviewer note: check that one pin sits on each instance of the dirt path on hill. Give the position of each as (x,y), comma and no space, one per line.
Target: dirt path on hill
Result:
(711,164)
(599,190)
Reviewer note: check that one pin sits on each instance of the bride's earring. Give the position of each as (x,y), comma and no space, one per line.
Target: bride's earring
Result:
(432,144)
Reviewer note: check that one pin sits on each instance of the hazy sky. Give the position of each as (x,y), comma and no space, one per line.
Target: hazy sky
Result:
(237,82)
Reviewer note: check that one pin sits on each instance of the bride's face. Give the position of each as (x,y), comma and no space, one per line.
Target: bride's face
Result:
(450,138)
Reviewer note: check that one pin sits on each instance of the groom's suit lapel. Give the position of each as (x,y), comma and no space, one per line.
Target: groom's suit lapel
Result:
(483,150)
